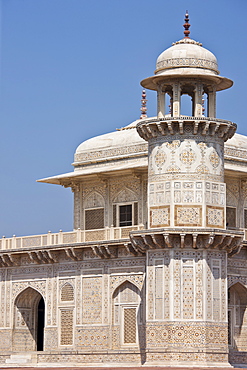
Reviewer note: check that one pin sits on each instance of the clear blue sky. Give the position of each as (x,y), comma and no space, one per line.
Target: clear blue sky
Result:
(70,70)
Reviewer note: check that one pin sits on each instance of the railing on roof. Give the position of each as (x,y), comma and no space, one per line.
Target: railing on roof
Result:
(70,237)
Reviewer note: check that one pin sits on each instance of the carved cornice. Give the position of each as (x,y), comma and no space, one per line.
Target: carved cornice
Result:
(115,153)
(74,252)
(230,241)
(186,63)
(236,154)
(153,128)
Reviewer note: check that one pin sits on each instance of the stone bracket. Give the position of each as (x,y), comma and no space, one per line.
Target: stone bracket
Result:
(152,128)
(102,251)
(230,241)
(70,252)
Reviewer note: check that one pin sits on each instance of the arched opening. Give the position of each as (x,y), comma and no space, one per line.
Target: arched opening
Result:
(40,325)
(29,321)
(205,105)
(168,104)
(186,105)
(237,317)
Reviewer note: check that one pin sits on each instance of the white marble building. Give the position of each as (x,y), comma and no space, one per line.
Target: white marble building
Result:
(154,271)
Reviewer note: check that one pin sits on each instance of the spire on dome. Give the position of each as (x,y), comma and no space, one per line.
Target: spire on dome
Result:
(144,105)
(186,26)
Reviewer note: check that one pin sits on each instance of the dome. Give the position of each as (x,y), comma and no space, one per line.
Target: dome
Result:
(183,59)
(124,136)
(238,141)
(110,145)
(185,54)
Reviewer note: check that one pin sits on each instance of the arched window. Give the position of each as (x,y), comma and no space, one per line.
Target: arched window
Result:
(127,312)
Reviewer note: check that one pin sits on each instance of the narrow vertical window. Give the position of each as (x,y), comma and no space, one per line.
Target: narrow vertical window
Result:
(129,325)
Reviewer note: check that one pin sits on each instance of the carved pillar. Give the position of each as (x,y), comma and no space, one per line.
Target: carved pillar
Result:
(176,99)
(198,100)
(212,103)
(160,103)
(77,207)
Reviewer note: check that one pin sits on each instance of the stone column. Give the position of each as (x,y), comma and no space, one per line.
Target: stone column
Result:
(198,99)
(77,205)
(160,103)
(212,103)
(176,99)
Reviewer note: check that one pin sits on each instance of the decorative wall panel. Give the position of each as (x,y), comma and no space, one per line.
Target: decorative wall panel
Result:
(67,327)
(188,216)
(215,216)
(92,300)
(92,338)
(159,216)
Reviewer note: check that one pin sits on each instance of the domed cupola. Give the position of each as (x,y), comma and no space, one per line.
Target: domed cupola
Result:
(186,68)
(186,55)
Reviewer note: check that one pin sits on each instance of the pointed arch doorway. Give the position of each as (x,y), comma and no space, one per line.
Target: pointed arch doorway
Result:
(237,317)
(29,320)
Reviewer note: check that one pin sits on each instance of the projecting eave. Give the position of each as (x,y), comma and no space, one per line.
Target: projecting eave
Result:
(233,169)
(138,166)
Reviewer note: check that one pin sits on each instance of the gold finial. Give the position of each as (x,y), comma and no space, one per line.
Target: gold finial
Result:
(144,105)
(186,26)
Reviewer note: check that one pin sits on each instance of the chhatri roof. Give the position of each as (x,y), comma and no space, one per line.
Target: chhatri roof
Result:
(186,57)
